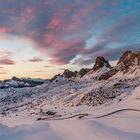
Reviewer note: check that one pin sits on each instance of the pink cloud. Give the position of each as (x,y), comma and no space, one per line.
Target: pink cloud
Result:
(3,71)
(35,59)
(4,29)
(5,54)
(7,62)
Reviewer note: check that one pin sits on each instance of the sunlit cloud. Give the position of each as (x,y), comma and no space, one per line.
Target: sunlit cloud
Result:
(3,71)
(59,31)
(7,62)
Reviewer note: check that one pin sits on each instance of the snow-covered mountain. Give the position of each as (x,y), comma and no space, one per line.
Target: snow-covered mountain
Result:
(91,91)
(21,82)
(96,86)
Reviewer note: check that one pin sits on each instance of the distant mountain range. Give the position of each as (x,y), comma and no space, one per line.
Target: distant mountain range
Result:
(21,82)
(128,64)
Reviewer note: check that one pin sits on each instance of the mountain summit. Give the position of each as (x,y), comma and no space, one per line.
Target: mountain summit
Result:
(128,60)
(100,63)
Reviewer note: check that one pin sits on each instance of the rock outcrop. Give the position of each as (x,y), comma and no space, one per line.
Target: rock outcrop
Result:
(83,71)
(108,74)
(69,74)
(100,63)
(128,60)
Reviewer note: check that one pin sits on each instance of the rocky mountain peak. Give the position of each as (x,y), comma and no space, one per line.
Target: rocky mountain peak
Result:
(127,56)
(129,59)
(100,63)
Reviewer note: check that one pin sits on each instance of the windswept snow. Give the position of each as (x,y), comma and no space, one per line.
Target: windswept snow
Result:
(120,126)
(66,130)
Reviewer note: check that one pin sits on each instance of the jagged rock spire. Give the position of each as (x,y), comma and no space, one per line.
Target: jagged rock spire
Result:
(100,63)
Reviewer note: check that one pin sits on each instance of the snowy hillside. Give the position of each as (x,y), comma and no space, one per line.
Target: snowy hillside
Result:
(101,103)
(123,125)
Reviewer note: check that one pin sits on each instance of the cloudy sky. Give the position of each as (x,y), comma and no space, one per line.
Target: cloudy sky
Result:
(39,38)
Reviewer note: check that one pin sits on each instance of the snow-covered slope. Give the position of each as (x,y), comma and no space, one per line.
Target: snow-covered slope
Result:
(88,90)
(123,125)
(104,100)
